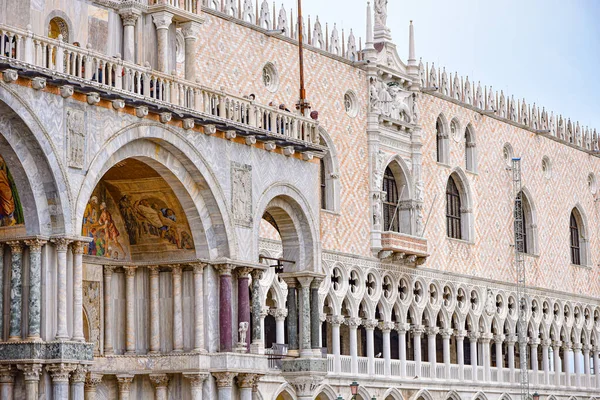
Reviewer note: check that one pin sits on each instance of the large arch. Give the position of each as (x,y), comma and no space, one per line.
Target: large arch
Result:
(169,154)
(41,179)
(292,214)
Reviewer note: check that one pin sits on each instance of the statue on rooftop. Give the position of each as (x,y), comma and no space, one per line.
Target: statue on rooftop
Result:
(381,12)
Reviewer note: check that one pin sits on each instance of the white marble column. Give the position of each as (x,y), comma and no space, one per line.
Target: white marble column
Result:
(370,325)
(160,383)
(596,351)
(386,329)
(130,301)
(31,376)
(62,245)
(78,382)
(16,291)
(77,248)
(417,333)
(177,310)
(60,379)
(510,348)
(191,32)
(556,345)
(335,322)
(91,386)
(446,335)
(473,336)
(7,382)
(124,382)
(224,384)
(154,273)
(108,312)
(353,324)
(460,353)
(246,382)
(486,338)
(35,289)
(586,364)
(129,17)
(566,348)
(498,340)
(199,307)
(576,358)
(196,384)
(279,314)
(545,361)
(1,292)
(534,359)
(402,329)
(431,349)
(163,21)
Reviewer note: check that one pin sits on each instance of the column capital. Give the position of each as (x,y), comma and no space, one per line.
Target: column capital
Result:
(92,380)
(418,330)
(35,245)
(446,333)
(224,379)
(109,269)
(353,322)
(153,270)
(162,19)
(129,16)
(370,324)
(60,372)
(198,267)
(566,346)
(31,372)
(587,348)
(247,380)
(257,274)
(460,334)
(534,342)
(306,385)
(224,269)
(316,282)
(402,328)
(77,247)
(279,313)
(498,339)
(61,243)
(196,380)
(473,335)
(577,346)
(546,342)
(79,374)
(386,326)
(557,344)
(305,281)
(130,270)
(16,246)
(159,380)
(511,340)
(191,29)
(486,337)
(124,381)
(243,272)
(7,374)
(336,319)
(432,330)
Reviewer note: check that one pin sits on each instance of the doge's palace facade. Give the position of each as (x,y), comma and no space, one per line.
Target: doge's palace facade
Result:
(172,228)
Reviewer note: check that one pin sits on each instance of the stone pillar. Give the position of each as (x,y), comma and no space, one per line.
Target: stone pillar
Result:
(124,382)
(460,353)
(486,338)
(353,324)
(566,348)
(61,265)
(35,290)
(78,382)
(163,20)
(196,384)
(60,379)
(473,336)
(154,272)
(498,340)
(129,18)
(596,351)
(576,358)
(91,384)
(315,316)
(244,303)
(199,307)
(246,382)
(335,322)
(417,333)
(177,309)
(556,351)
(305,328)
(446,335)
(225,317)
(292,307)
(586,364)
(402,329)
(545,361)
(108,313)
(7,382)
(1,292)
(224,384)
(77,248)
(386,328)
(16,289)
(370,325)
(160,383)
(510,342)
(31,376)
(191,32)
(280,314)
(534,359)
(431,349)
(130,301)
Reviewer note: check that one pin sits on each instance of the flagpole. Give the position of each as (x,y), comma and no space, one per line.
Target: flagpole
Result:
(302,103)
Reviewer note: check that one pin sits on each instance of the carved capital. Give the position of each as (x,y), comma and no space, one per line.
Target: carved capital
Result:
(162,20)
(130,270)
(224,379)
(370,324)
(460,334)
(418,330)
(196,380)
(31,372)
(498,339)
(124,382)
(224,269)
(190,30)
(35,245)
(129,17)
(77,247)
(577,347)
(176,270)
(198,267)
(556,344)
(353,322)
(154,270)
(567,346)
(248,380)
(15,246)
(60,372)
(402,328)
(62,244)
(336,319)
(108,270)
(159,380)
(473,336)
(257,274)
(306,385)
(7,374)
(243,272)
(92,381)
(279,313)
(432,331)
(446,333)
(79,374)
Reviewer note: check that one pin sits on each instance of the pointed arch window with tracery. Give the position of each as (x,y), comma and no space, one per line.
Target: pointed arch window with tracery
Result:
(453,211)
(390,203)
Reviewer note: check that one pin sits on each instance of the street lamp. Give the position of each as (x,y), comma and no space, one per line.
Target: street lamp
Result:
(354,389)
(536,396)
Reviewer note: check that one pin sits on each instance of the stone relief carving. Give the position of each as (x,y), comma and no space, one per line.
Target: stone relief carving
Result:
(377,210)
(75,138)
(378,160)
(91,304)
(490,303)
(392,101)
(241,193)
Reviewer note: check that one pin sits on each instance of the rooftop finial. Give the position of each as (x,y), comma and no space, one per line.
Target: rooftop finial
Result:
(369,41)
(412,59)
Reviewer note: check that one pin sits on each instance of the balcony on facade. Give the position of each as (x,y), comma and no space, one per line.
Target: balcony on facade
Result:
(402,245)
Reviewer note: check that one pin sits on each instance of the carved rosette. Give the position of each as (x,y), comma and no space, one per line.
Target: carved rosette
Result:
(248,380)
(159,380)
(224,379)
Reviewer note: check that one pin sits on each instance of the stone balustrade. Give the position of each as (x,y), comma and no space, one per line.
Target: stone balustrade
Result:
(21,49)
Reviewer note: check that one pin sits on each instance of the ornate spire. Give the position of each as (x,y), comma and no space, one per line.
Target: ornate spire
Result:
(369,41)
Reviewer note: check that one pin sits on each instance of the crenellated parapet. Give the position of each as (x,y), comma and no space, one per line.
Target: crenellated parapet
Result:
(499,105)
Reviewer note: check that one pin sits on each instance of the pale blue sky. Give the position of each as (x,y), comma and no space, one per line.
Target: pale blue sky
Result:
(546,51)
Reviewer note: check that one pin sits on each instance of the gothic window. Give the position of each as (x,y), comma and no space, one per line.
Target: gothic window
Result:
(323,186)
(470,162)
(441,141)
(329,184)
(390,203)
(575,245)
(453,210)
(529,225)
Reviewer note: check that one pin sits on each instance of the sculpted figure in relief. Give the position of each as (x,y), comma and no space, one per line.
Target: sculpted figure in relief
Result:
(378,165)
(374,95)
(381,12)
(433,77)
(490,304)
(468,95)
(456,87)
(399,103)
(445,88)
(377,209)
(502,105)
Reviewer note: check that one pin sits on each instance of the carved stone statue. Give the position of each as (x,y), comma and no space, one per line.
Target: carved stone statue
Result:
(502,105)
(513,110)
(377,210)
(381,13)
(243,330)
(491,101)
(444,85)
(544,120)
(421,73)
(479,97)
(468,95)
(378,169)
(457,92)
(433,76)
(400,106)
(374,95)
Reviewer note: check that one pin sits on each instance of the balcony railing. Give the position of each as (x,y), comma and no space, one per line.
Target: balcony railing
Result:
(500,376)
(24,49)
(402,243)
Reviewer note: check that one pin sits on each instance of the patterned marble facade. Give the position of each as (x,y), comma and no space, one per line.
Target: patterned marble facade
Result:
(171,227)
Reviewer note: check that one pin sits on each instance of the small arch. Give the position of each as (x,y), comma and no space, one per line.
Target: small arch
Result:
(470,149)
(442,142)
(480,396)
(285,392)
(59,23)
(393,394)
(326,392)
(452,395)
(459,212)
(422,394)
(578,235)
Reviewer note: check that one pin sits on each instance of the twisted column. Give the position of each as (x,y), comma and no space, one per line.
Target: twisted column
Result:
(16,289)
(77,248)
(130,301)
(199,307)
(62,245)
(258,343)
(177,310)
(225,317)
(91,385)
(124,382)
(160,383)
(154,273)
(35,289)
(108,313)
(196,384)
